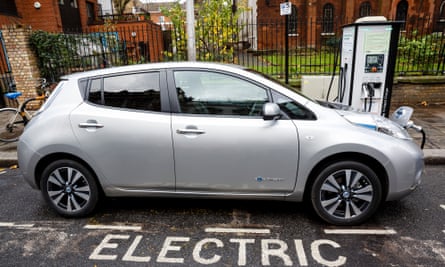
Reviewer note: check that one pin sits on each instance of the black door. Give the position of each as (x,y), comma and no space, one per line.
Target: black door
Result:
(69,11)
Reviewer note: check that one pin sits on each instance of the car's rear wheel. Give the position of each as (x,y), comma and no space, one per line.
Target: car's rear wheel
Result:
(346,193)
(69,188)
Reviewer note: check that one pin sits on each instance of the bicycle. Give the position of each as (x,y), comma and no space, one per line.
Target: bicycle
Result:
(14,120)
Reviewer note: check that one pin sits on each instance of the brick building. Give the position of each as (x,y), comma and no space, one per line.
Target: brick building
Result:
(400,9)
(137,39)
(313,21)
(49,15)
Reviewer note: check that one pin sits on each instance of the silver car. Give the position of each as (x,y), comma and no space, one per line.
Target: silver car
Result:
(206,130)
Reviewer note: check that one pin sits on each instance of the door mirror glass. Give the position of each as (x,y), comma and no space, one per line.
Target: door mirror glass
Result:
(271,111)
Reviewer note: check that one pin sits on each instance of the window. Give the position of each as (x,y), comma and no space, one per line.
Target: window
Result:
(402,11)
(328,18)
(293,21)
(292,109)
(365,9)
(133,91)
(202,92)
(8,7)
(95,94)
(440,25)
(71,3)
(442,11)
(90,12)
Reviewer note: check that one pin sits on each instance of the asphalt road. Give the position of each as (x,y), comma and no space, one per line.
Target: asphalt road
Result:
(179,232)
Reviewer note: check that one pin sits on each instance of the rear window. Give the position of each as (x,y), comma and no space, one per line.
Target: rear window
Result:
(52,96)
(139,91)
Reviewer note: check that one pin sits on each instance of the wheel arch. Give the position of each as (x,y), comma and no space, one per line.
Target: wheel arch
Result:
(371,162)
(45,161)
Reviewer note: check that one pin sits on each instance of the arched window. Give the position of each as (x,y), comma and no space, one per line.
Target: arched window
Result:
(402,11)
(293,21)
(365,9)
(442,11)
(439,26)
(328,18)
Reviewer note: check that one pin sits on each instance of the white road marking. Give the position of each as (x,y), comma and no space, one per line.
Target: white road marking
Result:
(237,230)
(443,207)
(112,227)
(360,231)
(13,225)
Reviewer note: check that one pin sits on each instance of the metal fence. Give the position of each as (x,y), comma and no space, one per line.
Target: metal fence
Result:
(313,46)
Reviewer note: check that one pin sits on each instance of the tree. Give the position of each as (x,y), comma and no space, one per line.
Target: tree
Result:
(216,30)
(120,5)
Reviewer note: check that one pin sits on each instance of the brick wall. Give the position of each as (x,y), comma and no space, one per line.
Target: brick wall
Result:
(22,59)
(310,13)
(349,8)
(10,20)
(420,91)
(46,18)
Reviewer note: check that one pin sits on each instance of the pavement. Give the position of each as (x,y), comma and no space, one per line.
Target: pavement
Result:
(431,118)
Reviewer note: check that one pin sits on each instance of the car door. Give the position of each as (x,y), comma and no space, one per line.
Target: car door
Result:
(221,142)
(124,133)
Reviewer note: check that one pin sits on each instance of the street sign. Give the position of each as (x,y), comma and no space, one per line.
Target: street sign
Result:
(285,8)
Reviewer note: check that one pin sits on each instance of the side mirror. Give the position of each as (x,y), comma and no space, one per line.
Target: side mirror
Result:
(271,111)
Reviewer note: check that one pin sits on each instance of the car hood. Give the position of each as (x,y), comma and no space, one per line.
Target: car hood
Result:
(364,119)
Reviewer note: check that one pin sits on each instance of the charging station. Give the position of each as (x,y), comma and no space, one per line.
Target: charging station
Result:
(368,58)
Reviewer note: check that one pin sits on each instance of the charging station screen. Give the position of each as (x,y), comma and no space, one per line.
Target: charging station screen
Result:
(374,63)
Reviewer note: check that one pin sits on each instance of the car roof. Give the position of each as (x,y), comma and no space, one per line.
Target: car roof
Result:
(149,66)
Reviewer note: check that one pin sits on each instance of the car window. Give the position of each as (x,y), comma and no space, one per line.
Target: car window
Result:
(292,109)
(202,92)
(132,91)
(95,94)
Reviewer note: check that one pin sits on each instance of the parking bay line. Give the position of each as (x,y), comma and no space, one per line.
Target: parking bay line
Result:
(112,227)
(14,225)
(443,207)
(360,231)
(237,230)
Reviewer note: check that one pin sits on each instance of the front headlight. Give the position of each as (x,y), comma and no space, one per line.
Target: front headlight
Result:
(377,123)
(391,128)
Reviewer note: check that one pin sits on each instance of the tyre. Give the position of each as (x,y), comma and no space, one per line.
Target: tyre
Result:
(11,125)
(346,193)
(69,188)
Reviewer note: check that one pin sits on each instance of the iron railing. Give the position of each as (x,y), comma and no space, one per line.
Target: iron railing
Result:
(99,48)
(260,45)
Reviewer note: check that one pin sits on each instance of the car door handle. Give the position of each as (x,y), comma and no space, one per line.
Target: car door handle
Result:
(90,124)
(190,131)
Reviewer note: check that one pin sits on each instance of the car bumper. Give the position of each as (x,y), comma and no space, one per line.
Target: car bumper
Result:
(27,160)
(408,169)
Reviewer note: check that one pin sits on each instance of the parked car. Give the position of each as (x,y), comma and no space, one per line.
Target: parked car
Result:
(205,130)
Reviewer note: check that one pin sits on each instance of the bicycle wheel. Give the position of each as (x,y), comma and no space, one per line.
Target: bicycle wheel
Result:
(11,125)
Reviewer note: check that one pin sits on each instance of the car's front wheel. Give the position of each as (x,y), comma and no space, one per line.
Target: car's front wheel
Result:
(346,193)
(69,188)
